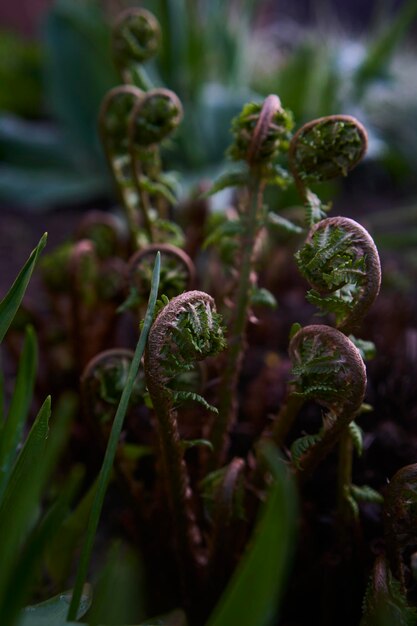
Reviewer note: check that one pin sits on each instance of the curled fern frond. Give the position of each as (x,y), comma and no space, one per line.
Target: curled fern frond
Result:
(260,131)
(136,37)
(385,601)
(113,119)
(188,329)
(103,381)
(341,263)
(177,273)
(400,519)
(154,117)
(105,231)
(327,147)
(300,446)
(328,368)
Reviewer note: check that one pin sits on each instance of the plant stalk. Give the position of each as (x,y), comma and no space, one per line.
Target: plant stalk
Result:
(237,333)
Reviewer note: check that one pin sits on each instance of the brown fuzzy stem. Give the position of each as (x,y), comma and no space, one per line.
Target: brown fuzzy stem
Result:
(237,335)
(175,475)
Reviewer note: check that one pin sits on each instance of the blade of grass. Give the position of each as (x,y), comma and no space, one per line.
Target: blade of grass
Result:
(104,476)
(19,407)
(12,300)
(254,592)
(21,504)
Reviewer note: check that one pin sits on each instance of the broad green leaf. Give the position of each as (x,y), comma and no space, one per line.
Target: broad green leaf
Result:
(20,75)
(33,145)
(19,407)
(119,592)
(53,612)
(78,69)
(252,596)
(37,189)
(12,300)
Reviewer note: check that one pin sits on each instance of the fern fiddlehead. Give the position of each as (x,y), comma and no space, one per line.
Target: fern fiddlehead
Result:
(384,601)
(341,263)
(186,330)
(259,133)
(105,231)
(328,368)
(177,273)
(136,37)
(321,150)
(102,383)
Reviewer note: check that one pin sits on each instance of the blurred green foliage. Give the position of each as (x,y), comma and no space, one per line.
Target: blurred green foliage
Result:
(214,58)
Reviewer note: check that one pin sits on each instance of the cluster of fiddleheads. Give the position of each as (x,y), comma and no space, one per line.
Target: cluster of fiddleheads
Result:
(132,125)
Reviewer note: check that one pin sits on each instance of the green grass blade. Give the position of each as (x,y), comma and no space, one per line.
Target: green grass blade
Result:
(104,476)
(254,592)
(19,407)
(18,509)
(12,300)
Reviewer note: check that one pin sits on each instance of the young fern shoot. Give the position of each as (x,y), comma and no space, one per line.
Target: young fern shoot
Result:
(136,38)
(186,330)
(328,368)
(260,131)
(321,150)
(340,261)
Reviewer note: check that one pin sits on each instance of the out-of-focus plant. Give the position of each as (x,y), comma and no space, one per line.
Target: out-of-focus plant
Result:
(315,79)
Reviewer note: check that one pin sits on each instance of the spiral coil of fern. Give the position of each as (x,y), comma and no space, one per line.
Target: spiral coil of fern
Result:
(136,38)
(102,381)
(400,519)
(187,329)
(258,134)
(341,263)
(325,148)
(178,272)
(328,368)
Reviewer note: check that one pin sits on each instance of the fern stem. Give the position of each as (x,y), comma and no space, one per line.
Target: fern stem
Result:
(285,418)
(237,334)
(174,471)
(344,476)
